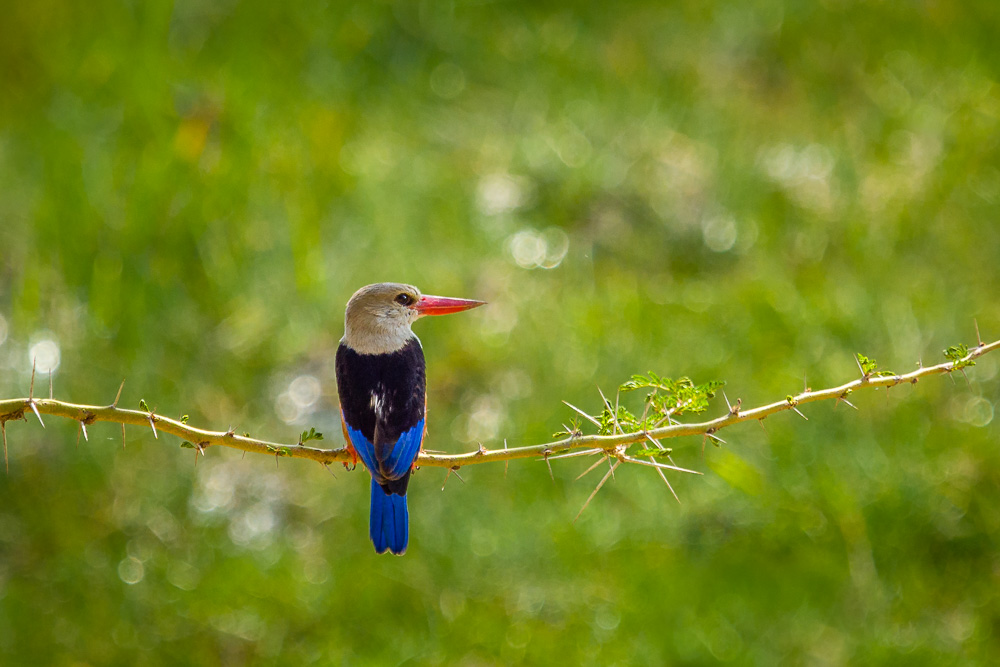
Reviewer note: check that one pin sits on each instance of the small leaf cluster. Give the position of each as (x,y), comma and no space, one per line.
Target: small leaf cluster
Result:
(673,397)
(956,355)
(665,399)
(622,421)
(571,431)
(869,367)
(311,434)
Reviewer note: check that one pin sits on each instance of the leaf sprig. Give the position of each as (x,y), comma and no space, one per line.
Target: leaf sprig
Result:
(869,367)
(311,434)
(956,354)
(665,399)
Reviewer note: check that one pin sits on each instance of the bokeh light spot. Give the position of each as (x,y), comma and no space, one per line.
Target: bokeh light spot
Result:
(304,391)
(719,233)
(447,81)
(299,399)
(44,355)
(500,193)
(130,570)
(532,249)
(527,247)
(978,412)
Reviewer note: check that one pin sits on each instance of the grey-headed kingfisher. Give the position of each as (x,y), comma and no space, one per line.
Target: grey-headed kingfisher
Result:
(383,405)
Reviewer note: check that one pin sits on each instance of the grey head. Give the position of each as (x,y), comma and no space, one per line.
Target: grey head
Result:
(379,317)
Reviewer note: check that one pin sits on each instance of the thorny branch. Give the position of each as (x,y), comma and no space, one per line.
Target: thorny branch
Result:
(613,447)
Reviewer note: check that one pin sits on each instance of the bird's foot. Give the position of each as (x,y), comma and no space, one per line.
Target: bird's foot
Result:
(354,458)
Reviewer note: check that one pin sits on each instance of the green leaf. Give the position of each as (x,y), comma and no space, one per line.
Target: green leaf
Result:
(143,406)
(184,419)
(868,365)
(311,434)
(572,430)
(665,399)
(956,353)
(187,445)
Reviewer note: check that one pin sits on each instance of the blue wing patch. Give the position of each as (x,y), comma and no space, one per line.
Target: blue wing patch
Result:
(403,453)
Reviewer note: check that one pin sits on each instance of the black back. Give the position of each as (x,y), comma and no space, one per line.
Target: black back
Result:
(397,382)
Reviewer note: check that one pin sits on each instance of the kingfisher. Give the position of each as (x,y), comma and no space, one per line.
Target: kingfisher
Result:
(383,404)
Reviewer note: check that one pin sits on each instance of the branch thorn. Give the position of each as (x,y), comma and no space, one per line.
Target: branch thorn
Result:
(547,453)
(596,463)
(580,452)
(3,427)
(800,413)
(654,464)
(614,418)
(506,463)
(598,488)
(119,394)
(453,469)
(734,410)
(325,465)
(583,414)
(34,409)
(711,434)
(666,481)
(613,411)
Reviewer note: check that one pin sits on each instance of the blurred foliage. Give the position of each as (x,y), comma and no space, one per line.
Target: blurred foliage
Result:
(749,191)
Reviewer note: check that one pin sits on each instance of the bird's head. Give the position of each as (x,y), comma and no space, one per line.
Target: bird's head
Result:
(379,316)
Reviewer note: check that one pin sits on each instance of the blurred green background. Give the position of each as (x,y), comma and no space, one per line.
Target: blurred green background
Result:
(743,191)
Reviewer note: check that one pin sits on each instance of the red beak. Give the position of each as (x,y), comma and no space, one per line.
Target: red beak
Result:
(443,305)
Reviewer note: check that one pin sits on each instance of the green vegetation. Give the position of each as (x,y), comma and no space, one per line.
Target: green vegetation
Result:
(744,191)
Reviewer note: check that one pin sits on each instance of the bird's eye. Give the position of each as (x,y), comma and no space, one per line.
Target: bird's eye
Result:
(404,299)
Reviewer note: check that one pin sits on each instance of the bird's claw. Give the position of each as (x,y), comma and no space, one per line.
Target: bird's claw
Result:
(354,457)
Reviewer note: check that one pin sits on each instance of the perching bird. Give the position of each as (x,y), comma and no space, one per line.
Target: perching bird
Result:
(380,378)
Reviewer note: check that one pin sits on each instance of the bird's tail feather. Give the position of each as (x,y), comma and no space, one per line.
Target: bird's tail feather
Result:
(389,522)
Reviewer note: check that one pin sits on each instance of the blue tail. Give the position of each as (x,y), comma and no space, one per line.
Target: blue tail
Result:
(389,522)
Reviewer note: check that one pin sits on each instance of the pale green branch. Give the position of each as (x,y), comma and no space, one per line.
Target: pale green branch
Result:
(18,408)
